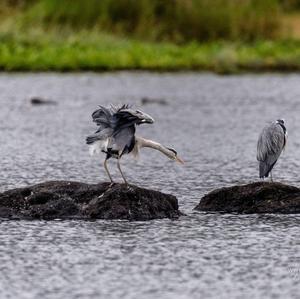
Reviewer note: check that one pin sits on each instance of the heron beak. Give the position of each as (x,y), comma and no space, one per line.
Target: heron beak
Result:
(147,119)
(177,159)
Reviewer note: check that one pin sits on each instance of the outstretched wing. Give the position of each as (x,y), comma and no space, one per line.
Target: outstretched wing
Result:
(269,147)
(116,129)
(103,118)
(99,135)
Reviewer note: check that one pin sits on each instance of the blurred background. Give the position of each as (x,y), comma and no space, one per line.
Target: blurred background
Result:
(220,35)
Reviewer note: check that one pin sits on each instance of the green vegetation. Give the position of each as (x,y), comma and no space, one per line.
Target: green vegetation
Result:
(173,20)
(93,51)
(224,36)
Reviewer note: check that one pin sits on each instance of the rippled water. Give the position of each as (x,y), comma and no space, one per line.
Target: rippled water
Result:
(213,122)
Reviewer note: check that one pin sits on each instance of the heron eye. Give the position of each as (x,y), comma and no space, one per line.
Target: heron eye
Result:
(172,150)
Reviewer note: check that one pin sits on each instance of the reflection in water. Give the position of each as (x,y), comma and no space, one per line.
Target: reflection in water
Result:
(213,122)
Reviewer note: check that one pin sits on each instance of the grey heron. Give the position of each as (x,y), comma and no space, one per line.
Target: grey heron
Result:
(271,142)
(116,135)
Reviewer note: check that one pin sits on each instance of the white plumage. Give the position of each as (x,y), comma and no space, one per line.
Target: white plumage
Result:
(98,147)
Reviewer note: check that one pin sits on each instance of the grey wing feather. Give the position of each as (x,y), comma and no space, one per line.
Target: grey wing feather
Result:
(269,147)
(108,117)
(99,135)
(114,125)
(122,140)
(103,117)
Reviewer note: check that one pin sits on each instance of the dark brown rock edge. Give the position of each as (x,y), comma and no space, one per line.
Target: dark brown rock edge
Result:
(260,197)
(74,200)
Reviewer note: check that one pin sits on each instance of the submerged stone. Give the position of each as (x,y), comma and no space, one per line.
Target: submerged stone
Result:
(74,200)
(41,101)
(259,197)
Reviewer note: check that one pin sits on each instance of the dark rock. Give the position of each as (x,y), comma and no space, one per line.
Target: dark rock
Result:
(74,200)
(260,197)
(146,101)
(40,101)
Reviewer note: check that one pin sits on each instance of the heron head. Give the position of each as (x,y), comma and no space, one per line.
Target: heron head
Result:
(173,155)
(142,118)
(282,125)
(280,121)
(135,116)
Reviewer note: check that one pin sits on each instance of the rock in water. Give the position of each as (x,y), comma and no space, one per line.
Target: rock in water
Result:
(74,200)
(145,101)
(260,197)
(41,101)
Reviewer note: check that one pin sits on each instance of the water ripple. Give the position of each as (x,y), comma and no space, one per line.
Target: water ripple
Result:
(213,123)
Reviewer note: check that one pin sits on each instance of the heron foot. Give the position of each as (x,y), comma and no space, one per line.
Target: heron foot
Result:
(111,184)
(129,188)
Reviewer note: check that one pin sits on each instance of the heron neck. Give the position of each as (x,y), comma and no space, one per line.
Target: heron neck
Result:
(142,142)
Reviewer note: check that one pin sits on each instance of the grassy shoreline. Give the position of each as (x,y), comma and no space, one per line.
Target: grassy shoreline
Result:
(91,51)
(51,35)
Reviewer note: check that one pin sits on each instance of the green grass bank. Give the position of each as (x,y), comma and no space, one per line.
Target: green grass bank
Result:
(52,35)
(86,50)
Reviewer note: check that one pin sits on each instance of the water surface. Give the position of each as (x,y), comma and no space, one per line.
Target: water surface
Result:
(213,122)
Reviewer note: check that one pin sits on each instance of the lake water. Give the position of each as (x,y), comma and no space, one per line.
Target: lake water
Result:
(213,122)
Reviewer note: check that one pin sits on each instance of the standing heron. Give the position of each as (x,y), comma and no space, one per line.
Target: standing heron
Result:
(271,142)
(116,135)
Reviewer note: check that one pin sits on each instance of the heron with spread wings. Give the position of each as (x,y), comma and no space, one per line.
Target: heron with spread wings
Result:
(116,135)
(271,143)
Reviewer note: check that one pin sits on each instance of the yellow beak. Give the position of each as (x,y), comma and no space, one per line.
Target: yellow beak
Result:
(179,160)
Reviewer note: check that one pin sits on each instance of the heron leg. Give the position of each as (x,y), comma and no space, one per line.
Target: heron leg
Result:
(119,167)
(271,176)
(106,169)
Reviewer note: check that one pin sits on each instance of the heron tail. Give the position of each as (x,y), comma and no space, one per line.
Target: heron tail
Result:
(91,139)
(96,145)
(265,169)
